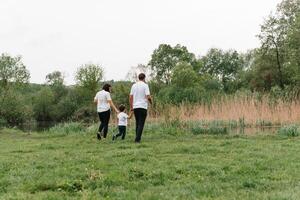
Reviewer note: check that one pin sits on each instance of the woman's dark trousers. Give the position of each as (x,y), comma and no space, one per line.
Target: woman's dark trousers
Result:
(140,118)
(104,119)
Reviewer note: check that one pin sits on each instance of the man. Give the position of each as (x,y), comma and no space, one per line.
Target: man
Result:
(139,97)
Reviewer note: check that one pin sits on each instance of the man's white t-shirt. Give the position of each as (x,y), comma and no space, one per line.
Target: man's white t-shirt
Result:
(140,90)
(122,119)
(102,97)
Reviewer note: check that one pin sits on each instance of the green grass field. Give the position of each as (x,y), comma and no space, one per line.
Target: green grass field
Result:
(185,166)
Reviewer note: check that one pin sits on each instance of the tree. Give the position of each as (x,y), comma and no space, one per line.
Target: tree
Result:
(134,71)
(56,82)
(272,37)
(43,104)
(55,78)
(184,87)
(165,58)
(293,46)
(12,71)
(184,76)
(89,76)
(262,76)
(223,65)
(13,108)
(274,33)
(121,90)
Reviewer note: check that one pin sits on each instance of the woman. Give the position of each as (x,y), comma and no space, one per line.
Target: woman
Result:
(104,103)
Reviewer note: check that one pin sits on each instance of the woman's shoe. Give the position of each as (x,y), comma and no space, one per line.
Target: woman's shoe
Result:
(98,136)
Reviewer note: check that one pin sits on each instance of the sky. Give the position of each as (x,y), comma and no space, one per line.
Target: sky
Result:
(117,34)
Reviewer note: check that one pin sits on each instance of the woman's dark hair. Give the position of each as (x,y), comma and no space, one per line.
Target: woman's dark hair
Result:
(106,87)
(121,107)
(142,76)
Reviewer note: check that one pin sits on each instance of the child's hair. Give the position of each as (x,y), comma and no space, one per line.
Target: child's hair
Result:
(121,107)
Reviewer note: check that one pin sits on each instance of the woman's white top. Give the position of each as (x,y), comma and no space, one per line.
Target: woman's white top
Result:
(102,97)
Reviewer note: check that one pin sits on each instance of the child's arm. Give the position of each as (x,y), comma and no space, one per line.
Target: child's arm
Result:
(130,115)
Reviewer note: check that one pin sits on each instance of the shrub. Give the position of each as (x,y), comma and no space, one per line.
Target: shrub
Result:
(12,109)
(3,122)
(290,130)
(86,114)
(92,129)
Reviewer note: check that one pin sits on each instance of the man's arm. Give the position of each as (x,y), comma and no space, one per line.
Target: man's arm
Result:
(131,102)
(148,96)
(130,115)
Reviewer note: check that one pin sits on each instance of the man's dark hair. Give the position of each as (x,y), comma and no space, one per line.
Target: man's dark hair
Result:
(142,76)
(106,87)
(121,107)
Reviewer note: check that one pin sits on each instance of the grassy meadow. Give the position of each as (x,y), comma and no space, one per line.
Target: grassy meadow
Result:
(67,162)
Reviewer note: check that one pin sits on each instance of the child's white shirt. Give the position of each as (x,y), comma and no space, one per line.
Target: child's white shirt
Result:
(122,119)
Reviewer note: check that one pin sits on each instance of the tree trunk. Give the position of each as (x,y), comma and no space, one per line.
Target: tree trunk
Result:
(279,66)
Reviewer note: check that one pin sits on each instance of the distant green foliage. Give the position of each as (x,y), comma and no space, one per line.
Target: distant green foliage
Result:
(165,58)
(120,93)
(175,76)
(223,65)
(43,104)
(89,77)
(85,114)
(55,78)
(13,110)
(290,130)
(12,71)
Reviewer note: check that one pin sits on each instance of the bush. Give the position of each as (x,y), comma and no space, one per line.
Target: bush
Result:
(13,110)
(43,104)
(64,109)
(3,122)
(92,129)
(290,130)
(175,95)
(86,114)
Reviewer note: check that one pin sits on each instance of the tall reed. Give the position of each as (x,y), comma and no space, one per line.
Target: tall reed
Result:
(243,109)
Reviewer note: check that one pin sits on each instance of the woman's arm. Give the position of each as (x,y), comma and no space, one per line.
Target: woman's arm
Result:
(111,103)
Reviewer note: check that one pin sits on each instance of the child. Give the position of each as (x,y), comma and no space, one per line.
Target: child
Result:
(122,122)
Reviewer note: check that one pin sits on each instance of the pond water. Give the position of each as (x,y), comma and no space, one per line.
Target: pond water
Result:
(255,130)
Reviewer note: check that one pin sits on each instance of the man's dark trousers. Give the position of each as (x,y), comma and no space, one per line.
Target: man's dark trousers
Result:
(140,118)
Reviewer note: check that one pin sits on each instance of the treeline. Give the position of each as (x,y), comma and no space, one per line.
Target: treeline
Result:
(175,75)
